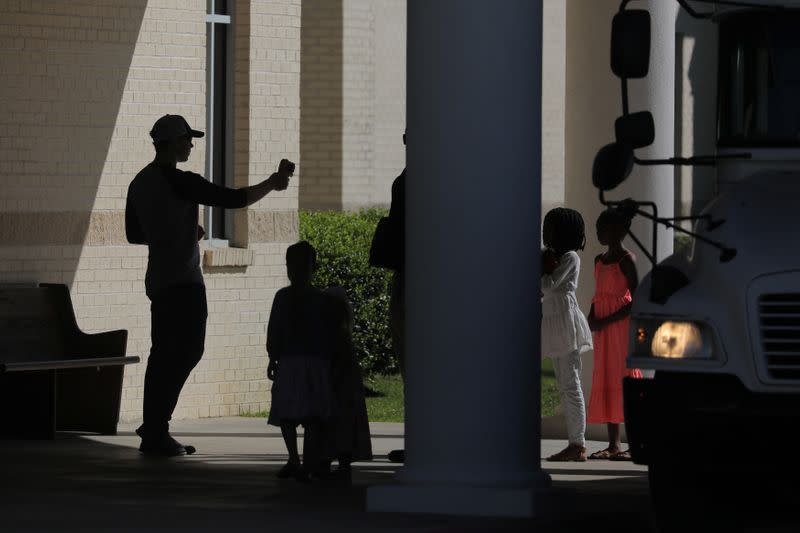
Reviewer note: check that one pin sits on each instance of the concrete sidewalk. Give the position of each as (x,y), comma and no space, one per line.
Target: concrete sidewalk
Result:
(80,482)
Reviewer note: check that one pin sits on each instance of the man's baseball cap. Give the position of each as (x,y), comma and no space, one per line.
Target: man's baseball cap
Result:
(171,127)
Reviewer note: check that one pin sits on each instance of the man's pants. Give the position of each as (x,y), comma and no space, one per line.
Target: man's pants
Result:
(178,318)
(567,369)
(397,315)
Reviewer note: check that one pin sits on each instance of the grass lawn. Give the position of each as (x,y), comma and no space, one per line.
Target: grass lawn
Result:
(386,404)
(550,397)
(256,414)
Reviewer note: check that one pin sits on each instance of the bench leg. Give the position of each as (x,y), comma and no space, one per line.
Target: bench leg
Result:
(27,404)
(88,399)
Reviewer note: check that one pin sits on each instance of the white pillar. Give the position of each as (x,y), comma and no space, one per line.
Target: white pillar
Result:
(655,93)
(593,102)
(473,210)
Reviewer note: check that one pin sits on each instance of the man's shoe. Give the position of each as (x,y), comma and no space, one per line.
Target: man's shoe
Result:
(162,449)
(339,474)
(188,447)
(342,473)
(163,446)
(397,456)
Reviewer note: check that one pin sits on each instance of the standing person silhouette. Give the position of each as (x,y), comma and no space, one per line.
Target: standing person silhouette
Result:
(388,251)
(162,212)
(616,280)
(397,303)
(349,436)
(565,331)
(300,345)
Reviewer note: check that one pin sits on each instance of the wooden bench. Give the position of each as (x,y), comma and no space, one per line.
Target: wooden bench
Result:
(54,377)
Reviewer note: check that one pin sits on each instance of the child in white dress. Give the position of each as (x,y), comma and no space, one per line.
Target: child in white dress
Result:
(565,331)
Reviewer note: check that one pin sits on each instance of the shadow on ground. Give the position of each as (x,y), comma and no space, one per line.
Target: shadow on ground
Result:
(80,482)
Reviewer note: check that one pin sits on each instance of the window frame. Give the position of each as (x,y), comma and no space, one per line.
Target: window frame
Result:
(213,101)
(736,47)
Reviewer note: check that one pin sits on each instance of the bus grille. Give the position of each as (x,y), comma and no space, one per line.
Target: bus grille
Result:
(779,315)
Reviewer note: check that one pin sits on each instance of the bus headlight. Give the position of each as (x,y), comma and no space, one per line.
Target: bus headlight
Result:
(672,340)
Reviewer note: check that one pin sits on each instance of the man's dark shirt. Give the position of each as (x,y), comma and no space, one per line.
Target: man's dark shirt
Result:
(397,214)
(162,212)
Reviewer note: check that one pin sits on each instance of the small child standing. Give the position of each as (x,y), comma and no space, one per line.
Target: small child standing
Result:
(565,332)
(616,280)
(349,431)
(299,339)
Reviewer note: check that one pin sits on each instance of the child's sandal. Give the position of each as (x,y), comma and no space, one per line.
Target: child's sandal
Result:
(603,454)
(569,454)
(621,456)
(288,470)
(301,475)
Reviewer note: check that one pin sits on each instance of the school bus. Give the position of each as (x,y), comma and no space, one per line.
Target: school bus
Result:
(719,322)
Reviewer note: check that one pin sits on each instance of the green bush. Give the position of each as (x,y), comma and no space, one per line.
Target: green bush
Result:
(682,244)
(342,241)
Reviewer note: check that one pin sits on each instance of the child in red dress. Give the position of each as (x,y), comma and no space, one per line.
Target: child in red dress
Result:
(616,280)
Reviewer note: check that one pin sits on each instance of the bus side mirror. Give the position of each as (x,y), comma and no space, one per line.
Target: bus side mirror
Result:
(637,130)
(612,165)
(630,43)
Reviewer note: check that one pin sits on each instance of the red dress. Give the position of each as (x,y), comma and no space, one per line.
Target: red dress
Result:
(610,346)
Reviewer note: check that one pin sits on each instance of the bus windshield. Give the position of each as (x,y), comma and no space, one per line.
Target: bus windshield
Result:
(759,79)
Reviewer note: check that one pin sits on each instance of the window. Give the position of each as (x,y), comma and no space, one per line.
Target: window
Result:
(759,80)
(219,110)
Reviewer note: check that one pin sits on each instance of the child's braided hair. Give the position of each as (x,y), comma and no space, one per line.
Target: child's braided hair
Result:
(565,230)
(614,217)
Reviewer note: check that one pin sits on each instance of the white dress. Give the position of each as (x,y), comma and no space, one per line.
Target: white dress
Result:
(564,327)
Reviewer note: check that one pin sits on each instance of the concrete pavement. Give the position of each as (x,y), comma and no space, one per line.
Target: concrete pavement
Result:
(80,482)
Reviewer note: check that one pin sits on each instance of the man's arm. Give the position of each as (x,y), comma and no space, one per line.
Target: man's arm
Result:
(398,206)
(255,193)
(278,181)
(196,188)
(133,230)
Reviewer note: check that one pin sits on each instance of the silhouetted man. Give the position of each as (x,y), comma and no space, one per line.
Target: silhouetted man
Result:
(397,306)
(162,212)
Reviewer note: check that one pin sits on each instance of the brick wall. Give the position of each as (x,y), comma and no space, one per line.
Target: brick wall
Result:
(321,104)
(353,101)
(358,102)
(554,42)
(83,83)
(390,98)
(353,97)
